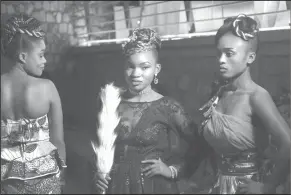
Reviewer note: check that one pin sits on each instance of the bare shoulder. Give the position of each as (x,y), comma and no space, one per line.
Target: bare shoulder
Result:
(259,93)
(4,79)
(44,87)
(261,100)
(44,84)
(5,86)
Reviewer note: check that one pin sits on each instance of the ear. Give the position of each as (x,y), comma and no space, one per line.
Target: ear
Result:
(158,69)
(251,57)
(22,57)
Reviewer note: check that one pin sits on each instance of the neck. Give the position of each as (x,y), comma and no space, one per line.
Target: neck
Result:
(18,69)
(140,93)
(242,81)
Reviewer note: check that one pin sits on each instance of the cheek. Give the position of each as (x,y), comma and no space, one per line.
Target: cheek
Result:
(149,74)
(127,73)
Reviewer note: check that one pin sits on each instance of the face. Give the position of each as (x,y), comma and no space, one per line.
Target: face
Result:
(34,60)
(140,69)
(233,55)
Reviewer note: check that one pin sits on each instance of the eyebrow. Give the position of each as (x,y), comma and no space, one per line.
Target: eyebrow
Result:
(228,48)
(145,63)
(141,64)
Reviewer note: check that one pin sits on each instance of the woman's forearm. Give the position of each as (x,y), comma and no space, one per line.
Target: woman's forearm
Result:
(61,148)
(281,170)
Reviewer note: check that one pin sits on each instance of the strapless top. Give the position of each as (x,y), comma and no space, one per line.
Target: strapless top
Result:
(26,151)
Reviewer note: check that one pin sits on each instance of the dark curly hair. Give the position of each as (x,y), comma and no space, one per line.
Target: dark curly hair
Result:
(142,39)
(18,32)
(241,26)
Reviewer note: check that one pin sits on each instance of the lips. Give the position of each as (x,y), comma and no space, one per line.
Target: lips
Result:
(222,69)
(136,82)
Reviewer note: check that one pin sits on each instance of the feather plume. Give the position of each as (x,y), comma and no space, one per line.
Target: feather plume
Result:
(108,120)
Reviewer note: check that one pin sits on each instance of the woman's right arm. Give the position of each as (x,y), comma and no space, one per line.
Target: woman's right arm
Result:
(55,117)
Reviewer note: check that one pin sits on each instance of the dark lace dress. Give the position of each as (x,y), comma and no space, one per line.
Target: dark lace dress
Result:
(150,130)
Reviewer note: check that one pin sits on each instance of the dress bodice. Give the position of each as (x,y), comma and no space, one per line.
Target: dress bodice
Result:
(228,134)
(26,151)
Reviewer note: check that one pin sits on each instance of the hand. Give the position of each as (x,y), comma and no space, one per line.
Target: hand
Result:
(63,177)
(101,183)
(249,186)
(156,167)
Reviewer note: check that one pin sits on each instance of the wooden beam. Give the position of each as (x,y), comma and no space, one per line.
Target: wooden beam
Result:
(288,4)
(190,16)
(127,14)
(87,19)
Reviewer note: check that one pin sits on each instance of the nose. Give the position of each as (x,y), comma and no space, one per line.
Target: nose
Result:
(44,60)
(136,72)
(222,59)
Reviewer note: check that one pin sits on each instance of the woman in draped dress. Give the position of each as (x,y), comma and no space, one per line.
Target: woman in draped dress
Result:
(32,146)
(239,118)
(154,132)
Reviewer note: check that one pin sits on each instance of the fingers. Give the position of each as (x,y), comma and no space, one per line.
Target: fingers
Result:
(147,168)
(149,161)
(151,173)
(245,180)
(103,180)
(243,185)
(101,187)
(108,178)
(243,190)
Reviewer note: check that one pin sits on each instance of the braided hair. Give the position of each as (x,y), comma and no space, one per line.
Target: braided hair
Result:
(241,26)
(142,39)
(18,33)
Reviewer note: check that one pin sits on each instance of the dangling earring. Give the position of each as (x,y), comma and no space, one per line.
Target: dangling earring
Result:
(156,80)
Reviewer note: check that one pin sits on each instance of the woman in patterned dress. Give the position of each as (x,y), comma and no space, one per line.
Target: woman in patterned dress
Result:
(241,115)
(154,132)
(32,144)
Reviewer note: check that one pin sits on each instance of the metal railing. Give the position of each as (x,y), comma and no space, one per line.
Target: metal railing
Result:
(107,31)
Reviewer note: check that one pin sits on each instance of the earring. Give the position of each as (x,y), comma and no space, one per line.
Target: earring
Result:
(156,80)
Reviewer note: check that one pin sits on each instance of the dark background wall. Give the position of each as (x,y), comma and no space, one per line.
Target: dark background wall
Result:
(188,68)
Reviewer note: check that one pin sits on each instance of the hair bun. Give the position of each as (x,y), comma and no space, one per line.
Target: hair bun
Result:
(22,24)
(245,27)
(142,39)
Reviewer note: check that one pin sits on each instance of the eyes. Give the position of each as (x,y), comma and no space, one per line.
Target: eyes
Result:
(42,55)
(142,67)
(226,53)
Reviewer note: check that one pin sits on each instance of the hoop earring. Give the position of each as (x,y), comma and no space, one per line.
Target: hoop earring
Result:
(156,80)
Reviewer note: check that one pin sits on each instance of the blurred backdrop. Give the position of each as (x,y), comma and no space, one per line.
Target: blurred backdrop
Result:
(84,52)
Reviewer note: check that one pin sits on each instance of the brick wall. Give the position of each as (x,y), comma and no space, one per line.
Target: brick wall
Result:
(56,17)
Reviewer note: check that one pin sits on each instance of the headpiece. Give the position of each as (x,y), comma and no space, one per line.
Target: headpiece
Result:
(142,39)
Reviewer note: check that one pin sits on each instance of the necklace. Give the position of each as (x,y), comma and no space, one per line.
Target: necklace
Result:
(145,91)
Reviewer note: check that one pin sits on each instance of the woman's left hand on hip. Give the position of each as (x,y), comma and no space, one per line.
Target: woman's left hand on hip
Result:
(156,167)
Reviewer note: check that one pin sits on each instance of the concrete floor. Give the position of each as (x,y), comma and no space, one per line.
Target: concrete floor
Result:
(78,158)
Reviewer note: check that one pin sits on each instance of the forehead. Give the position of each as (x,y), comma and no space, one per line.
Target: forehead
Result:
(38,45)
(229,40)
(142,57)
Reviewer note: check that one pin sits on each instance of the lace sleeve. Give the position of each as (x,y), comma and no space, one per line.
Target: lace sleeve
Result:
(186,148)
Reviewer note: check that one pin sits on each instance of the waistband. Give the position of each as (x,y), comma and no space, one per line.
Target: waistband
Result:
(238,164)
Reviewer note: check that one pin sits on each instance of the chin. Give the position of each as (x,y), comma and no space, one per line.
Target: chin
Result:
(37,74)
(225,76)
(137,88)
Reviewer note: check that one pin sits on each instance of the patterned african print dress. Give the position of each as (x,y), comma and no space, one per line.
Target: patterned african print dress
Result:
(29,161)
